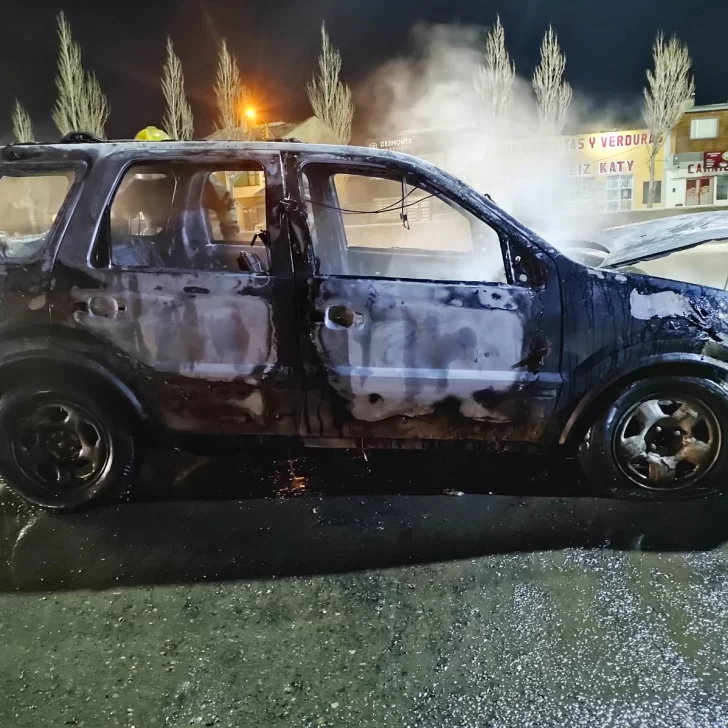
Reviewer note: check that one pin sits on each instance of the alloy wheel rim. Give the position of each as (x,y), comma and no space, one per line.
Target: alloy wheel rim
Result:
(667,443)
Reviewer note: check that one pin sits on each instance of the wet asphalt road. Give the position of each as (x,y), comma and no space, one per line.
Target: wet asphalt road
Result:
(327,590)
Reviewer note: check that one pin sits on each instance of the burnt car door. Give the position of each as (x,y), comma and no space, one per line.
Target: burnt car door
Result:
(187,285)
(423,319)
(36,200)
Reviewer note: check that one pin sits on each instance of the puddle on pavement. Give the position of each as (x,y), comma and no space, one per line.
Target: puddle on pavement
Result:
(174,475)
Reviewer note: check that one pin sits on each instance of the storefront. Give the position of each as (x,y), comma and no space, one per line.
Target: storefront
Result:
(697,179)
(606,172)
(599,172)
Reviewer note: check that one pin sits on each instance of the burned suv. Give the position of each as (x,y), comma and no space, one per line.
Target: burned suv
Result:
(336,296)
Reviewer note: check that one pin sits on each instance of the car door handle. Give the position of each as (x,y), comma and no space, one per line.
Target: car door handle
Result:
(341,317)
(100,307)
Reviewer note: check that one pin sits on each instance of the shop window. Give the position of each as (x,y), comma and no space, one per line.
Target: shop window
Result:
(704,128)
(581,190)
(619,192)
(247,179)
(656,195)
(721,188)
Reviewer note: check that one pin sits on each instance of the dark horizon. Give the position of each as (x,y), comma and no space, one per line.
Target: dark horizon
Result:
(608,50)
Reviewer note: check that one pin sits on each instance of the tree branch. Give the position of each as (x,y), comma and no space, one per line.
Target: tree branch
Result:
(493,80)
(178,121)
(22,125)
(331,99)
(553,94)
(669,87)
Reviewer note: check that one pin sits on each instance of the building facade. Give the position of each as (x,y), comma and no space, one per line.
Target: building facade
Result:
(607,171)
(595,172)
(697,174)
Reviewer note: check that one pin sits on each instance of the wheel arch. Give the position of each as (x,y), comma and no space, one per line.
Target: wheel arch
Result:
(667,365)
(22,359)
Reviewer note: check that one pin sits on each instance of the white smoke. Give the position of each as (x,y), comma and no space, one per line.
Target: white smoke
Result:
(526,174)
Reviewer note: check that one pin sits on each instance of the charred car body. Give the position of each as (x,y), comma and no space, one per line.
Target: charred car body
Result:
(364,299)
(690,247)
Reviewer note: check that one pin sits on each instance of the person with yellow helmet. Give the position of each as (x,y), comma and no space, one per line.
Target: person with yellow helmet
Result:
(215,197)
(152,134)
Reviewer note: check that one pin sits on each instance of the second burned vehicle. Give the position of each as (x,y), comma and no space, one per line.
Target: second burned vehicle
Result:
(362,299)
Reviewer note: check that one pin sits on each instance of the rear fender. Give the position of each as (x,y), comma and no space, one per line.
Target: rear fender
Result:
(21,358)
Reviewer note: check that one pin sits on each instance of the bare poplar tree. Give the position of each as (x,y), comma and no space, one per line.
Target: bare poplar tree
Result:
(96,107)
(331,99)
(553,94)
(22,125)
(493,80)
(70,80)
(31,196)
(231,96)
(80,104)
(668,89)
(178,121)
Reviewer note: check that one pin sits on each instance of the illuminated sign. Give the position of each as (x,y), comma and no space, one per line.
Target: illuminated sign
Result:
(581,170)
(713,163)
(595,142)
(396,145)
(619,167)
(586,169)
(716,161)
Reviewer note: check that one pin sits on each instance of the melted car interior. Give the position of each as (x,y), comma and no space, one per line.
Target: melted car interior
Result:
(181,216)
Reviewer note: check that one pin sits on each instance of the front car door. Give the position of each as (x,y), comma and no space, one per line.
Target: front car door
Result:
(164,290)
(424,318)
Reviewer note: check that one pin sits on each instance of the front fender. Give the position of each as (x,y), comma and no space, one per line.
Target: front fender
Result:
(653,363)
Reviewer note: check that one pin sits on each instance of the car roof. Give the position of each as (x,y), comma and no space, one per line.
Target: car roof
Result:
(652,238)
(95,149)
(106,147)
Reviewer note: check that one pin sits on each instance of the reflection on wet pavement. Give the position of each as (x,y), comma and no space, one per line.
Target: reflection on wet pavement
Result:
(221,597)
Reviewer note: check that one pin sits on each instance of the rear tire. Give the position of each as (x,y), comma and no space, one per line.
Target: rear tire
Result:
(63,449)
(664,438)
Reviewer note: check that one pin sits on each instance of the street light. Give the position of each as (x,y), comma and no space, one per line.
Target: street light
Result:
(251,114)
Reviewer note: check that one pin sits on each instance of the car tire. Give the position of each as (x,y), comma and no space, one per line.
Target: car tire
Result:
(63,449)
(664,438)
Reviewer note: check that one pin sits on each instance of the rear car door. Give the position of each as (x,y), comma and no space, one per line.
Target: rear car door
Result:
(423,320)
(174,288)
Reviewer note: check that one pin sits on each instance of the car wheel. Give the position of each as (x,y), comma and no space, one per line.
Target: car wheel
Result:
(662,438)
(63,449)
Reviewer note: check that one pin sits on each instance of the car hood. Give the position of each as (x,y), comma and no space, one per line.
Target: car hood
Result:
(653,238)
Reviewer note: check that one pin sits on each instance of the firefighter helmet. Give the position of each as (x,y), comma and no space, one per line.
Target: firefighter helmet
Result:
(152,134)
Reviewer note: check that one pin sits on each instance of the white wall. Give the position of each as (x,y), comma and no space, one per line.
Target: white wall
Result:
(675,188)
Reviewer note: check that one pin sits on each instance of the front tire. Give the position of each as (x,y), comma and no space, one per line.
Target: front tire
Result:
(664,438)
(62,449)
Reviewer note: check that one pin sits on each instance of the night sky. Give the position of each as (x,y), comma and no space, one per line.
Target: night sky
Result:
(276,41)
